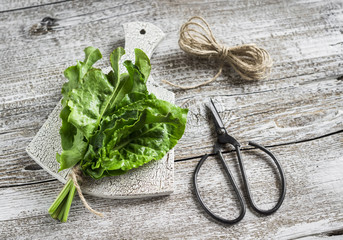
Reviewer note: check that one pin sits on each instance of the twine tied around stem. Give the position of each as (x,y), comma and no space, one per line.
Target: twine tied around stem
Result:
(248,60)
(76,175)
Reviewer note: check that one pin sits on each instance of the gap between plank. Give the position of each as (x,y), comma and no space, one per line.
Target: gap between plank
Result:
(26,184)
(331,233)
(35,6)
(269,146)
(191,158)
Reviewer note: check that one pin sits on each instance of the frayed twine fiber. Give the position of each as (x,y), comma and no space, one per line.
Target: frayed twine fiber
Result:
(248,60)
(75,174)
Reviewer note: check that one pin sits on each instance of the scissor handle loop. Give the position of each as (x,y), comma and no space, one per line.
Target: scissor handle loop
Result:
(282,177)
(233,183)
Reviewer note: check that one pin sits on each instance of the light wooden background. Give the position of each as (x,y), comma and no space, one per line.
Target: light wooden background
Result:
(297,113)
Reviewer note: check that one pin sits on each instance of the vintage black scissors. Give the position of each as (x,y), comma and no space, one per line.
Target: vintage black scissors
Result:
(224,138)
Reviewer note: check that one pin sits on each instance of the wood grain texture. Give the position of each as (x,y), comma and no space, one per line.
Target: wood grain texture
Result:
(301,101)
(313,204)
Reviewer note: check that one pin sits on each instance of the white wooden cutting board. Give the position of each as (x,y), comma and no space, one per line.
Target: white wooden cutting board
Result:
(153,179)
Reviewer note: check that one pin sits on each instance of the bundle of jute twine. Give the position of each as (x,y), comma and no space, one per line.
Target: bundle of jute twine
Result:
(248,60)
(76,175)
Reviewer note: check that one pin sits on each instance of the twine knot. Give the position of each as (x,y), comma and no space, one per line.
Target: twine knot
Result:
(76,175)
(248,60)
(223,52)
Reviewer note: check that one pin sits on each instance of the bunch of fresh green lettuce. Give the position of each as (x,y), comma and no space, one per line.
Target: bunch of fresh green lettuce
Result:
(110,122)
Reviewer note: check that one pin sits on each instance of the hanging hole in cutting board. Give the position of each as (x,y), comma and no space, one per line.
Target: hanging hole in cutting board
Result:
(142,31)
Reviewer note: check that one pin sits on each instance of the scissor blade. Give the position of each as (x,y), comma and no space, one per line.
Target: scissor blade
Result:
(217,119)
(222,137)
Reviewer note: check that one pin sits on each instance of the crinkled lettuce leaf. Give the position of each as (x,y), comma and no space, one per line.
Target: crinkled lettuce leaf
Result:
(147,133)
(110,122)
(72,139)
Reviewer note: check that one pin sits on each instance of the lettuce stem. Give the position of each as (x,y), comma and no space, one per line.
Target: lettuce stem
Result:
(64,192)
(58,210)
(61,206)
(68,203)
(61,213)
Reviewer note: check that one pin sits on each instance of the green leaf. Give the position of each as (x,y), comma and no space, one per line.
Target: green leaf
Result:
(69,158)
(67,130)
(97,97)
(131,142)
(76,73)
(143,63)
(110,123)
(136,78)
(114,59)
(89,102)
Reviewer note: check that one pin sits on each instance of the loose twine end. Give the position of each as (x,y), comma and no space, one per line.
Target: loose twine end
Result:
(75,175)
(248,60)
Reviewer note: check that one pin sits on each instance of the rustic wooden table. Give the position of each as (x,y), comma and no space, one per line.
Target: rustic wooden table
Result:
(297,113)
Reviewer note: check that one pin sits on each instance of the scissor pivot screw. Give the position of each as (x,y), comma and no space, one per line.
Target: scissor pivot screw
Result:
(221,131)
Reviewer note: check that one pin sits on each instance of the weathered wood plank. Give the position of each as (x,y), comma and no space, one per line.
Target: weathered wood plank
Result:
(269,117)
(312,206)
